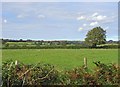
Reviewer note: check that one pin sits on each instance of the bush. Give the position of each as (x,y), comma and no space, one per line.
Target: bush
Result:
(109,46)
(20,74)
(102,75)
(16,73)
(44,47)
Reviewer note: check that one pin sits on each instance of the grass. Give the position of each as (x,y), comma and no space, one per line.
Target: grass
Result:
(61,58)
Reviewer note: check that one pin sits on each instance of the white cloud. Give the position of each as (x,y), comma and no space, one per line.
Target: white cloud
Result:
(80,29)
(81,18)
(100,17)
(5,21)
(110,19)
(21,15)
(94,14)
(103,19)
(97,17)
(93,23)
(41,16)
(84,25)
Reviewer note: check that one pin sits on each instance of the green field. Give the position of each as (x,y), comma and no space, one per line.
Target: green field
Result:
(61,58)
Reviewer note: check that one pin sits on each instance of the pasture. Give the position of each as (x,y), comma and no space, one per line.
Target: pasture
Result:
(61,58)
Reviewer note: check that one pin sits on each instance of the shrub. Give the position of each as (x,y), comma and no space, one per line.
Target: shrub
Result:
(107,74)
(17,73)
(20,74)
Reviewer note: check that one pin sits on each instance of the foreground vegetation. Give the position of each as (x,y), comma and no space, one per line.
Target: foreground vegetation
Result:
(16,73)
(61,58)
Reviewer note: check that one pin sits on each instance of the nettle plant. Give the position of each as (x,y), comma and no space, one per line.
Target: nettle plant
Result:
(16,73)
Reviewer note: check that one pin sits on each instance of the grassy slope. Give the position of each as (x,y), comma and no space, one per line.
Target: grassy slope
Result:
(61,58)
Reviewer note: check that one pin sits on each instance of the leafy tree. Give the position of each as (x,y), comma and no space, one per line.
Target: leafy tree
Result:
(95,37)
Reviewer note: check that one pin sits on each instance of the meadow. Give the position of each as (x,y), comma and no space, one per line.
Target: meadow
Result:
(62,59)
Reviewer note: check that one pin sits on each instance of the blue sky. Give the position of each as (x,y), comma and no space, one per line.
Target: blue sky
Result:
(58,20)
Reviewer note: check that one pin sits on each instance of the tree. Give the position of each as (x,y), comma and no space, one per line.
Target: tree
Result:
(95,37)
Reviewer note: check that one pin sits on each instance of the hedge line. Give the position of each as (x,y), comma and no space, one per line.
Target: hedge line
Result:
(61,47)
(45,47)
(19,74)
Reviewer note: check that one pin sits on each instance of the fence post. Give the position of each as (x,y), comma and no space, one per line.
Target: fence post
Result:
(85,62)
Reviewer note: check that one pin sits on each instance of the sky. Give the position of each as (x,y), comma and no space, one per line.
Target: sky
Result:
(58,20)
(59,0)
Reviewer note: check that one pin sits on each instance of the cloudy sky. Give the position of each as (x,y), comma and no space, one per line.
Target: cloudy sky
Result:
(58,20)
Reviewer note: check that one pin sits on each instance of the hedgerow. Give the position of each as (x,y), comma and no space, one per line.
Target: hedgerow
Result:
(17,73)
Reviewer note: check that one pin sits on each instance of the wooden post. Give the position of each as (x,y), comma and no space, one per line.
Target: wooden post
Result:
(85,62)
(16,62)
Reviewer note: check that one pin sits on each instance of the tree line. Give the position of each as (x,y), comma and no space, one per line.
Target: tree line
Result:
(94,38)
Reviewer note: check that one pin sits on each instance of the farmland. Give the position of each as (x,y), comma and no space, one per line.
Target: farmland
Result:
(61,58)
